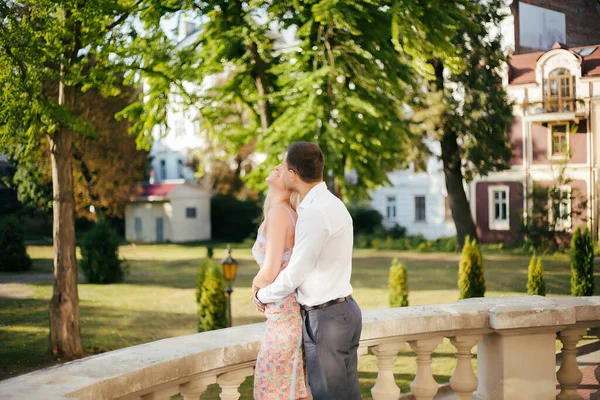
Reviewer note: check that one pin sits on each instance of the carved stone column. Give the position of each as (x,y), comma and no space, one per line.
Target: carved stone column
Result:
(569,375)
(464,381)
(231,381)
(424,387)
(385,386)
(193,390)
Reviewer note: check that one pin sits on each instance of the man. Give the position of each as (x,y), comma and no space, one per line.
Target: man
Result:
(320,270)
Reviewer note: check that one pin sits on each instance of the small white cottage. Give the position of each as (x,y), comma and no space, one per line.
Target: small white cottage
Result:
(173,211)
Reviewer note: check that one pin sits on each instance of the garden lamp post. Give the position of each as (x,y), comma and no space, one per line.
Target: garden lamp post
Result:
(229,270)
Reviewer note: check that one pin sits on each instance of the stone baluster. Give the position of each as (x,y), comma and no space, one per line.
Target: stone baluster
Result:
(193,390)
(231,381)
(464,381)
(596,394)
(385,386)
(424,387)
(162,394)
(569,375)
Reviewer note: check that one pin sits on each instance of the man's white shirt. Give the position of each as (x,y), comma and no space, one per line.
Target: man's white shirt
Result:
(321,263)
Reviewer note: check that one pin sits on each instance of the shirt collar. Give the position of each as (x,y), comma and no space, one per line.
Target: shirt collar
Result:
(312,193)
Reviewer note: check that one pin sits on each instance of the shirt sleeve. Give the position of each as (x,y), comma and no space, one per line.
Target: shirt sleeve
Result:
(311,234)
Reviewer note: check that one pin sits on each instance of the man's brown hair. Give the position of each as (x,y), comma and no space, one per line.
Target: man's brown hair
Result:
(306,159)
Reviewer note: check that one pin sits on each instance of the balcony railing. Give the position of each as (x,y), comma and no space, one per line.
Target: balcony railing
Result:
(560,105)
(516,339)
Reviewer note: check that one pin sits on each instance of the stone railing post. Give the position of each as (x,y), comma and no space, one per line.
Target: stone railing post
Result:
(596,394)
(385,386)
(464,381)
(231,381)
(569,375)
(193,390)
(424,387)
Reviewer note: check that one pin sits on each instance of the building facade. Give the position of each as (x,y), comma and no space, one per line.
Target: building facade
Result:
(168,212)
(530,26)
(555,136)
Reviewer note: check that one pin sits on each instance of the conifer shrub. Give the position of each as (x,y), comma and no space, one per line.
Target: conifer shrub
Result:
(13,254)
(471,280)
(535,277)
(211,298)
(100,261)
(398,285)
(582,263)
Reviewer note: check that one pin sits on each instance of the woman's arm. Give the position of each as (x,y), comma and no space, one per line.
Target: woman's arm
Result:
(278,223)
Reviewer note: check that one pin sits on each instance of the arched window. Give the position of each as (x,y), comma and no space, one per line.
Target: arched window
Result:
(560,91)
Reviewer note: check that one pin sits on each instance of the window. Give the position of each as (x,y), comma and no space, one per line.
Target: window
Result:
(447,209)
(190,212)
(419,208)
(180,168)
(163,170)
(560,207)
(560,91)
(391,208)
(499,212)
(138,227)
(559,134)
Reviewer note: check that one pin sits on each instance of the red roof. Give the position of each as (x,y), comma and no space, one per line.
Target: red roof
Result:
(522,66)
(157,189)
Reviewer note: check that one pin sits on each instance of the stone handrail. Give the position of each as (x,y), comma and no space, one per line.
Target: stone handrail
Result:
(515,337)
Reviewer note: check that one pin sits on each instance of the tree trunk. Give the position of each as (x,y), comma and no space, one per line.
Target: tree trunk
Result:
(261,81)
(459,205)
(65,335)
(461,212)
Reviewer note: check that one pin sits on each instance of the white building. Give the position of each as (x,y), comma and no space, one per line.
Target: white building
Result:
(172,211)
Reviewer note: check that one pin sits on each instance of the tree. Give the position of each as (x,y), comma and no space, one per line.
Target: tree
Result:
(398,285)
(74,46)
(341,82)
(105,166)
(468,111)
(212,303)
(471,280)
(100,262)
(582,263)
(536,284)
(550,206)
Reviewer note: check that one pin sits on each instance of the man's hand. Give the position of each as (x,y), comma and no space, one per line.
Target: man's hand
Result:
(257,303)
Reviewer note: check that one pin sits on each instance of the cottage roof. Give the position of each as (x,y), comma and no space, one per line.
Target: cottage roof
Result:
(522,66)
(164,191)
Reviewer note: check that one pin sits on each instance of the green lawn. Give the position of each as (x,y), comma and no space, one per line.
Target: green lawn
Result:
(157,301)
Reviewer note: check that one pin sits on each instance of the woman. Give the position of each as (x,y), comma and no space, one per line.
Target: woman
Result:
(279,372)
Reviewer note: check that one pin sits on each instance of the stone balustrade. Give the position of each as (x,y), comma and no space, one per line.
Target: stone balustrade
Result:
(516,339)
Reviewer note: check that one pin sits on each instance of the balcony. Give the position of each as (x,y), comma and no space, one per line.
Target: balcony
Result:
(516,339)
(556,107)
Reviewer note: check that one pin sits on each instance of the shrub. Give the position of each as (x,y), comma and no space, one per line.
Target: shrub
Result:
(212,303)
(100,261)
(397,232)
(582,263)
(13,254)
(398,285)
(376,243)
(471,282)
(233,220)
(365,220)
(389,242)
(535,277)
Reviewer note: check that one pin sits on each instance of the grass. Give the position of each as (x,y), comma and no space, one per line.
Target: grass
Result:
(157,301)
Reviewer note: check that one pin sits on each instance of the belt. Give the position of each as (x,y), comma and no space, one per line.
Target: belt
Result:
(325,305)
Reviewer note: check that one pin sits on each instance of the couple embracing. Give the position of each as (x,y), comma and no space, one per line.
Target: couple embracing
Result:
(304,250)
